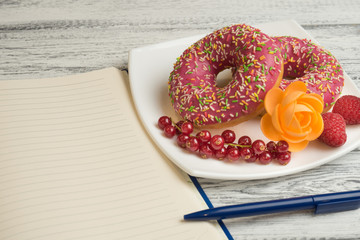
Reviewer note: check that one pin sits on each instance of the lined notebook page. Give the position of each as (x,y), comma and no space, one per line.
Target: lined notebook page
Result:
(75,163)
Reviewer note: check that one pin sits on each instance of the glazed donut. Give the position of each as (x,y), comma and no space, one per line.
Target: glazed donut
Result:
(257,66)
(315,66)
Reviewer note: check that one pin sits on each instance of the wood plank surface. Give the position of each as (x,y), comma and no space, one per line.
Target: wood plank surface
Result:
(56,38)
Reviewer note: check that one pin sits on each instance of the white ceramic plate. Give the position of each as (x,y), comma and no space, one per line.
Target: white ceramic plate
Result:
(149,69)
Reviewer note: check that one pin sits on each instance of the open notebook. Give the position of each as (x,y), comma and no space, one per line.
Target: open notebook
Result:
(75,163)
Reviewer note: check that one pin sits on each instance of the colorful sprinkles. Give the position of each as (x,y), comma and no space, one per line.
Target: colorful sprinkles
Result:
(315,66)
(254,59)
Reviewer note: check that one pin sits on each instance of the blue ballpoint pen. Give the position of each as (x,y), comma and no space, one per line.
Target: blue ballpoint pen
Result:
(324,203)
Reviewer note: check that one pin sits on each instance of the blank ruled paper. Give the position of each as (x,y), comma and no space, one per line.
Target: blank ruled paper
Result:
(75,163)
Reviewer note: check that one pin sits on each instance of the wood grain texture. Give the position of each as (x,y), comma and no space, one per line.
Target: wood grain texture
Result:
(55,38)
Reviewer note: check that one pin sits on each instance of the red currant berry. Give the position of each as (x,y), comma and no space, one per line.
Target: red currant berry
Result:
(247,154)
(265,157)
(274,155)
(169,131)
(192,144)
(284,157)
(229,136)
(258,146)
(271,146)
(282,146)
(217,142)
(221,153)
(233,154)
(244,141)
(181,140)
(164,121)
(178,127)
(204,136)
(252,158)
(206,151)
(187,128)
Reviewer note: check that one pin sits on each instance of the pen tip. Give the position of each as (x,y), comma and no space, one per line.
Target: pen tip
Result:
(191,216)
(199,216)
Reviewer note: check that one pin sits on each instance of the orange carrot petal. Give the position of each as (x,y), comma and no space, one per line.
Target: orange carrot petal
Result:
(314,100)
(291,97)
(296,86)
(268,129)
(272,98)
(317,127)
(296,147)
(276,120)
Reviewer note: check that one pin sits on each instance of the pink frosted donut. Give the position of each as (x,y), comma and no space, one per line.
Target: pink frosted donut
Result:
(257,66)
(316,67)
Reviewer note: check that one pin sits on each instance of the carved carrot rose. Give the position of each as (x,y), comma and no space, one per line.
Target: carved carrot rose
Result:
(293,115)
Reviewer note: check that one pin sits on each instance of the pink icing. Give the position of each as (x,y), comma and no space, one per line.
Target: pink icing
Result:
(256,62)
(316,67)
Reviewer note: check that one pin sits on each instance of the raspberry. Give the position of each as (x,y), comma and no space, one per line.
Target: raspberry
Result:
(348,106)
(334,133)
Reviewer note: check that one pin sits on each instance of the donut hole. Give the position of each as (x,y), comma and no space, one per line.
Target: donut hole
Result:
(223,78)
(293,71)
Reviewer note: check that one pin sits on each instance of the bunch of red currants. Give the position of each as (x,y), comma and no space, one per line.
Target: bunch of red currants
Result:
(224,146)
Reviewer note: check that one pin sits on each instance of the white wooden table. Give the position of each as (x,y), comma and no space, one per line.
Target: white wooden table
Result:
(57,38)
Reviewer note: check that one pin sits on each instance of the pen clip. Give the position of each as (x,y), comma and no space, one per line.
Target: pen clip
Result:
(337,206)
